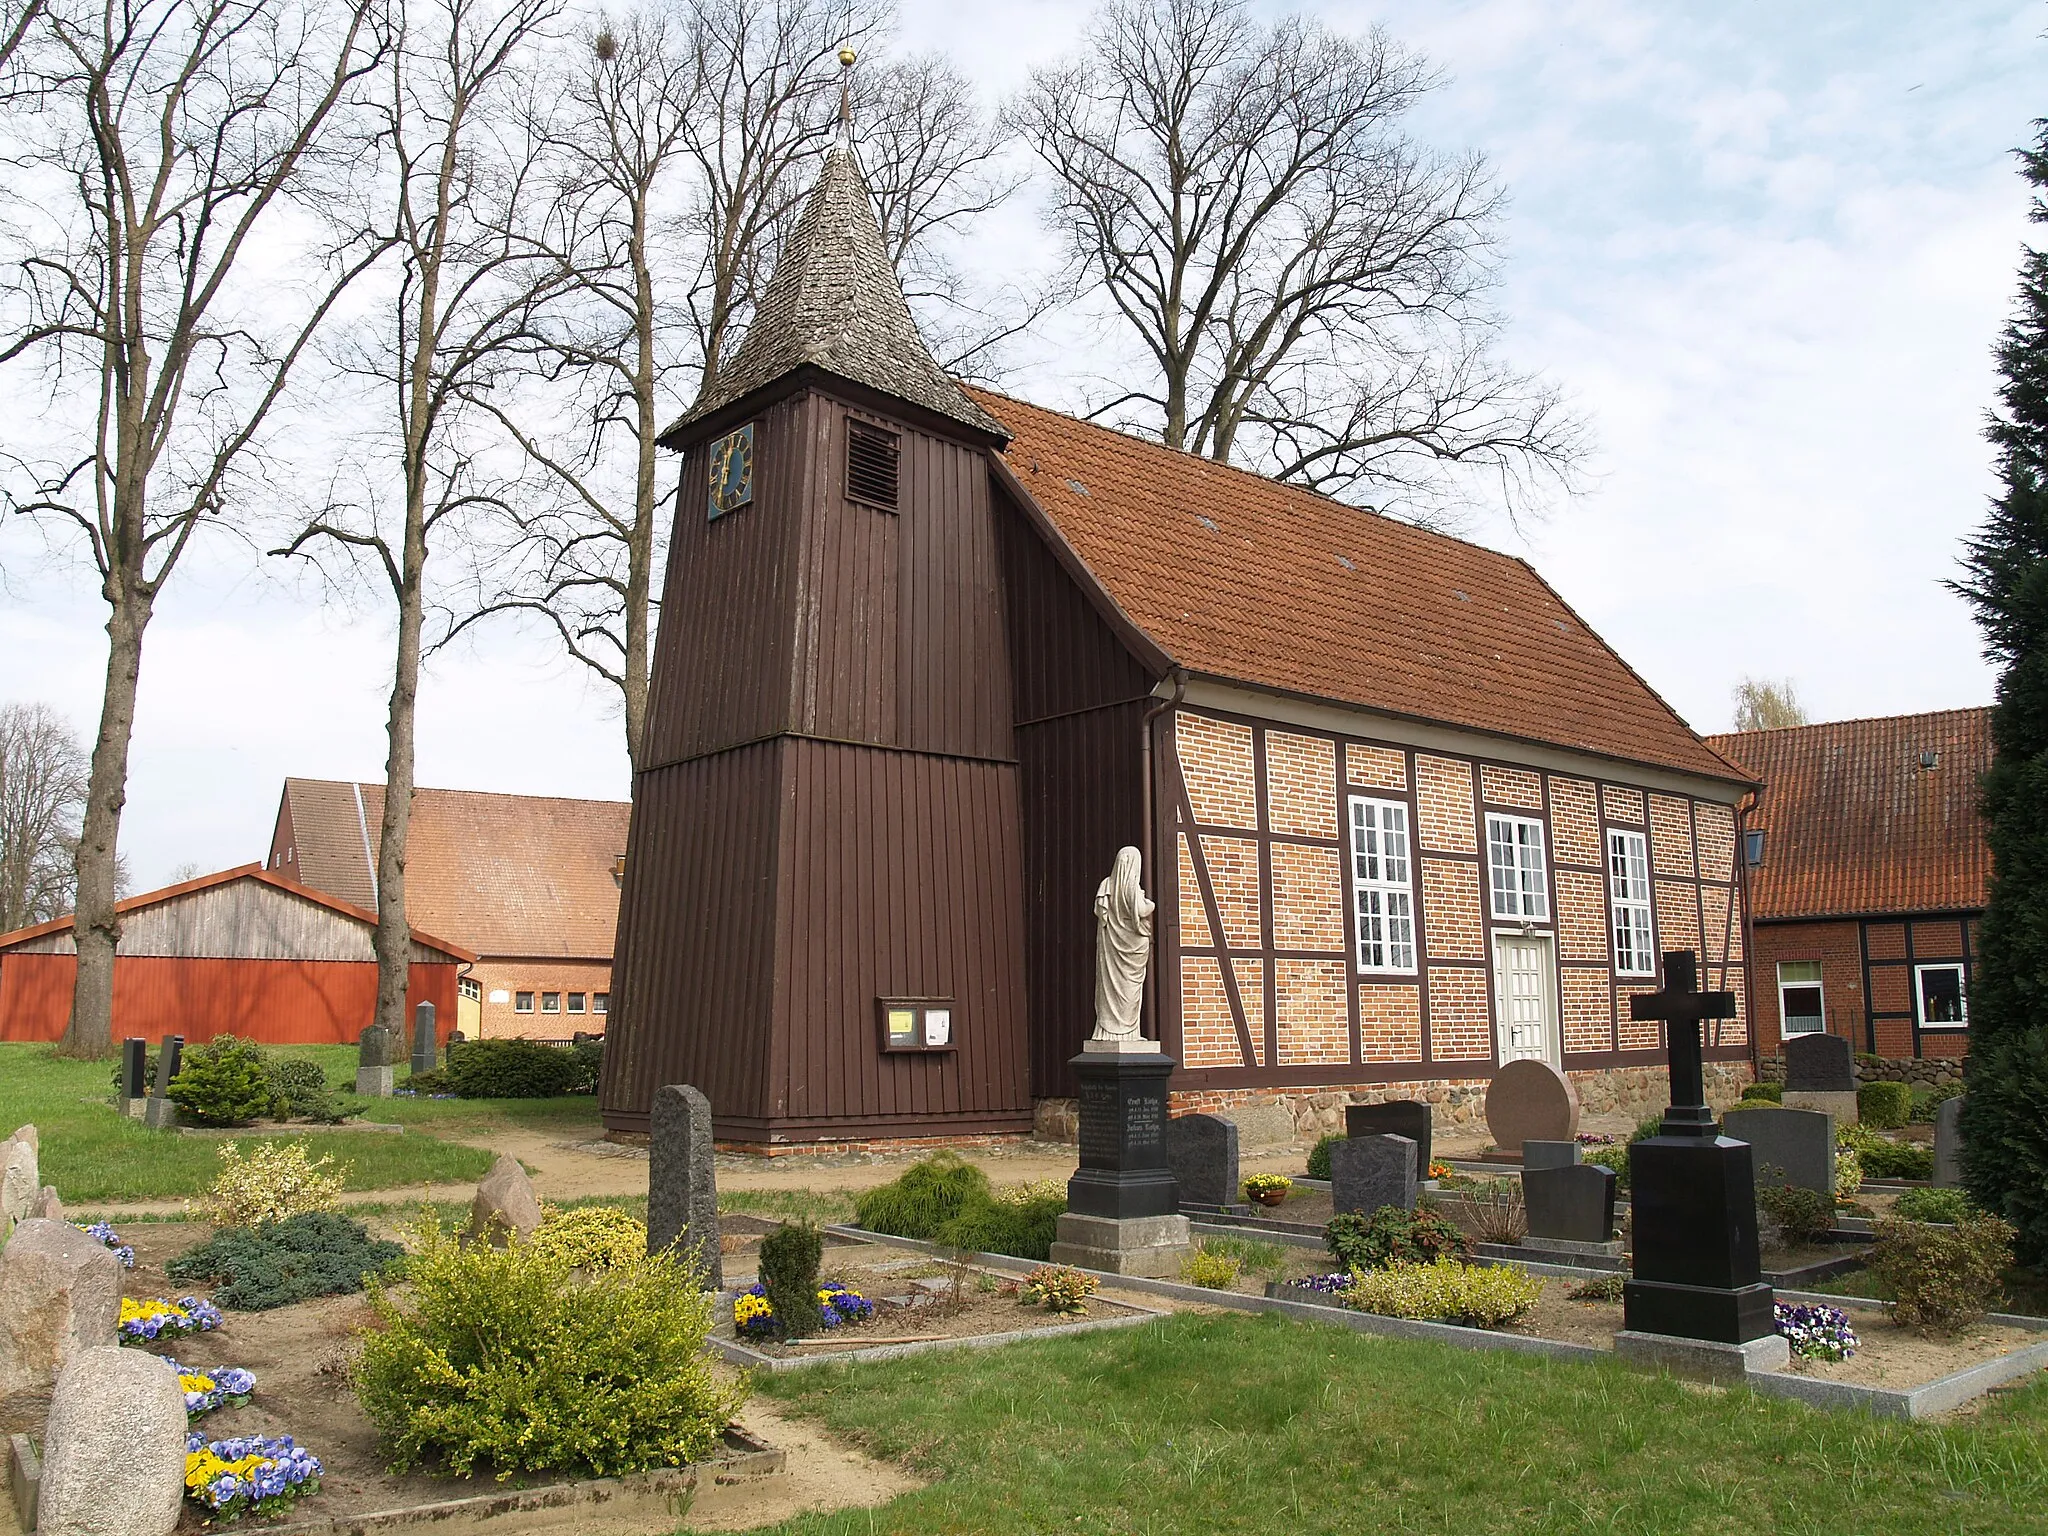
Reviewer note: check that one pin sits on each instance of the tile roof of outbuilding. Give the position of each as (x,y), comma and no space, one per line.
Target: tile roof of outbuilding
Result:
(526,876)
(834,303)
(1239,577)
(1853,824)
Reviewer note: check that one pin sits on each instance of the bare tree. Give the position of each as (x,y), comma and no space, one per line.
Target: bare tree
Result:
(453,194)
(43,772)
(1765,704)
(16,17)
(166,137)
(1307,283)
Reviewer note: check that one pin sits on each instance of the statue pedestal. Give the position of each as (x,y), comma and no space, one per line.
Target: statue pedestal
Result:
(1693,1214)
(1123,1208)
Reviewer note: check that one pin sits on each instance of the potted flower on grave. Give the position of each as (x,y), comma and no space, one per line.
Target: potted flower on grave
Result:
(1267,1188)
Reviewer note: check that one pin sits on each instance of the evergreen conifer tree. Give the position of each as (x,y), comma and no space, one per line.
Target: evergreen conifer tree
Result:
(2005,1117)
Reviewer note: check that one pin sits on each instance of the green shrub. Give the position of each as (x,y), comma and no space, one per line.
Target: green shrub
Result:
(1020,1229)
(1948,1205)
(432,1082)
(1882,1158)
(496,1358)
(225,1081)
(1393,1236)
(1926,1101)
(1057,1288)
(589,1058)
(1319,1156)
(1943,1279)
(1481,1296)
(1648,1126)
(1600,1288)
(254,1269)
(1615,1158)
(927,1196)
(1210,1270)
(295,1081)
(591,1236)
(1883,1106)
(1766,1093)
(277,1180)
(509,1069)
(790,1256)
(1802,1216)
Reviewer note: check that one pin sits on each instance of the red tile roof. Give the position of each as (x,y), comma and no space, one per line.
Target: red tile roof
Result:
(1239,577)
(512,875)
(1853,824)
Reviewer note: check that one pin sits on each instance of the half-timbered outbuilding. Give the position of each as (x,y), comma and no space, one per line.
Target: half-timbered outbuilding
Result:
(929,656)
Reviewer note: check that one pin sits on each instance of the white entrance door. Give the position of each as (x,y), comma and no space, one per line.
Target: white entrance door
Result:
(1524,997)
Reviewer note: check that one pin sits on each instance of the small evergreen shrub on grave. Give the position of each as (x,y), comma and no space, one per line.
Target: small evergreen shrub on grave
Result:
(1927,1104)
(1020,1229)
(1446,1291)
(1057,1288)
(254,1269)
(225,1081)
(495,1358)
(1883,1106)
(1394,1236)
(509,1069)
(790,1256)
(1946,1205)
(1943,1279)
(1212,1271)
(924,1198)
(1615,1158)
(1319,1156)
(277,1180)
(1601,1288)
(590,1237)
(296,1081)
(1879,1157)
(1802,1216)
(1764,1093)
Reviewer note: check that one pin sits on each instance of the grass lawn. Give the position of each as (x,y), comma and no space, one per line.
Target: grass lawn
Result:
(1230,1423)
(91,1154)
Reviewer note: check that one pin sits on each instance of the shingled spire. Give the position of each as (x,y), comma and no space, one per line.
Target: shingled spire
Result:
(834,304)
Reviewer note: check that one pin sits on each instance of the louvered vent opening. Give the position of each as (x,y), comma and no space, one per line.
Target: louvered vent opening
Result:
(872,456)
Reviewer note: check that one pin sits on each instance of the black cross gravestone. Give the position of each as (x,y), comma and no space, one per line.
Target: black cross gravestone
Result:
(1693,1191)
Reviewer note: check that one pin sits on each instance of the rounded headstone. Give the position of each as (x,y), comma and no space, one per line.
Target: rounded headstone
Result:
(114,1448)
(1530,1100)
(60,1294)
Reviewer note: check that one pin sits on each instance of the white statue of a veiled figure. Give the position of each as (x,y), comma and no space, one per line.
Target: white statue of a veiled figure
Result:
(1123,946)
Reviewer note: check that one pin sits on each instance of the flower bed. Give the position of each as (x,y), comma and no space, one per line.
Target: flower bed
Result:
(105,1233)
(255,1474)
(838,1305)
(208,1389)
(1817,1332)
(144,1322)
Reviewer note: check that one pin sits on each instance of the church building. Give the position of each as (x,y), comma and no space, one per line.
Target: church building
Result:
(930,656)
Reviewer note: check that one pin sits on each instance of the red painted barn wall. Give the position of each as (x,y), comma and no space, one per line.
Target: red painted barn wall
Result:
(279,1002)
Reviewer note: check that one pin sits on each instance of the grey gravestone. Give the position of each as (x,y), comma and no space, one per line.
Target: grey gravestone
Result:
(1819,1063)
(1530,1100)
(60,1293)
(1367,1172)
(1948,1144)
(426,1045)
(161,1114)
(114,1449)
(1396,1117)
(1202,1152)
(1550,1154)
(375,1076)
(682,1180)
(1798,1143)
(1572,1202)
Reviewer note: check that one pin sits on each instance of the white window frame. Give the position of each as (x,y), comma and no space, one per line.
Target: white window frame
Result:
(1962,994)
(1529,905)
(1818,983)
(601,1002)
(1631,928)
(1382,865)
(522,1002)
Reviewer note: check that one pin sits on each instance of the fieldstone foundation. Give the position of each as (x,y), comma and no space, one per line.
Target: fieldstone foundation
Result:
(1919,1071)
(1454,1102)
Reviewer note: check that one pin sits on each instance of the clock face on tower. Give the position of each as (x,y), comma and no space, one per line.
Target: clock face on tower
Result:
(732,470)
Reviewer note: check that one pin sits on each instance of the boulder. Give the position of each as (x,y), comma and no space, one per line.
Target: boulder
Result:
(60,1294)
(505,1204)
(114,1451)
(19,1178)
(46,1206)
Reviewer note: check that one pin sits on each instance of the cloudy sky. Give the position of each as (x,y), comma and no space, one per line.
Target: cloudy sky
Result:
(1764,247)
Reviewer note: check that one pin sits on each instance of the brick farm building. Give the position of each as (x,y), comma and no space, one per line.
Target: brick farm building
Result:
(931,656)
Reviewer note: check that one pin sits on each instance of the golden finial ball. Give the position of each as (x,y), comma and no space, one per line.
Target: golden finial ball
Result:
(846,57)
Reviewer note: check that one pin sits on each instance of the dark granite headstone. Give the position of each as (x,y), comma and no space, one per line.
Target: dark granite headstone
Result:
(426,1044)
(1367,1172)
(1396,1117)
(1819,1063)
(1124,1172)
(134,1068)
(1202,1152)
(682,1180)
(1948,1144)
(160,1114)
(1793,1147)
(375,1048)
(1550,1154)
(1571,1203)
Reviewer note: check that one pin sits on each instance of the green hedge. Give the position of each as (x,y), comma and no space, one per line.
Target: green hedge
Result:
(511,1069)
(1884,1106)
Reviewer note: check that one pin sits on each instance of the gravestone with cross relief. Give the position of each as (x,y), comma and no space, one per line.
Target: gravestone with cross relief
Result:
(1693,1194)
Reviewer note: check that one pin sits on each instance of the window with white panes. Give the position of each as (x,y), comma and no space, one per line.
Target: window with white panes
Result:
(1382,885)
(1939,996)
(1628,898)
(1802,1008)
(1514,856)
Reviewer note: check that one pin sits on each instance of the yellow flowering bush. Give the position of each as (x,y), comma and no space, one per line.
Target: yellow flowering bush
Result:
(1031,1192)
(1057,1288)
(278,1179)
(591,1236)
(1445,1291)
